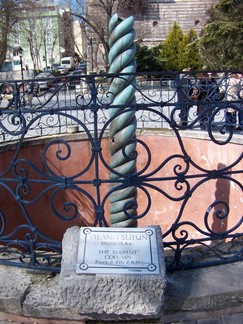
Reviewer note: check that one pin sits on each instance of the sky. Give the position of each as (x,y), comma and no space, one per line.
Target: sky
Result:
(73,4)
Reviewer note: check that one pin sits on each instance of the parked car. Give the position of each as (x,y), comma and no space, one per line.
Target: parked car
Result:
(46,83)
(60,70)
(83,66)
(54,66)
(6,95)
(76,76)
(47,69)
(69,63)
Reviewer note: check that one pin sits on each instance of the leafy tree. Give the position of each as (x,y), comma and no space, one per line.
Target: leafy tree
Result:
(172,48)
(221,43)
(148,59)
(181,50)
(190,56)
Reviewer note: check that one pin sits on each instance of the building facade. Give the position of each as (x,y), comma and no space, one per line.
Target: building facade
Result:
(152,23)
(160,15)
(44,32)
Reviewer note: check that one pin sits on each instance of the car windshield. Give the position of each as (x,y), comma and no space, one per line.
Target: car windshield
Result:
(66,62)
(7,66)
(78,72)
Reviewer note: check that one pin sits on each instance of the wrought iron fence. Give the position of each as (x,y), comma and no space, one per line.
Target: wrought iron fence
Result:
(177,104)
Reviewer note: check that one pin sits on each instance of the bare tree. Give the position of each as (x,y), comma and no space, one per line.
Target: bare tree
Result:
(95,17)
(18,21)
(8,14)
(67,31)
(39,34)
(134,8)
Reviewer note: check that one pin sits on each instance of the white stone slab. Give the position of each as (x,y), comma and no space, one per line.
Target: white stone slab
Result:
(111,296)
(117,251)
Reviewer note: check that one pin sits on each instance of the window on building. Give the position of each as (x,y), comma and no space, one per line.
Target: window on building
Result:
(49,38)
(48,23)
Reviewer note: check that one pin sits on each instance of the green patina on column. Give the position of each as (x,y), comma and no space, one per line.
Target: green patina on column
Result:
(123,128)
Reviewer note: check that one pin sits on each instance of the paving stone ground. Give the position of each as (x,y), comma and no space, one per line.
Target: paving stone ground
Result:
(234,318)
(201,296)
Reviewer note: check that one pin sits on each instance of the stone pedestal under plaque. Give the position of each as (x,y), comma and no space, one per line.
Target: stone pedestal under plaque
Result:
(113,273)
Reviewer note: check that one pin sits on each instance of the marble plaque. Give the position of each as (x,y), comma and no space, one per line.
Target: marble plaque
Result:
(117,250)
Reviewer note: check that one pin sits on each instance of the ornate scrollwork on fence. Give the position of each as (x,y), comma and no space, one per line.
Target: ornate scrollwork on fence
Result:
(50,182)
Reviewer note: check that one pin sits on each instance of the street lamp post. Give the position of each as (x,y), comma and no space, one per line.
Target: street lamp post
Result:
(91,52)
(20,52)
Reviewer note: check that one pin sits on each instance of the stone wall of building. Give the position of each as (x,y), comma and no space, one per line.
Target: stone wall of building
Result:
(152,27)
(160,16)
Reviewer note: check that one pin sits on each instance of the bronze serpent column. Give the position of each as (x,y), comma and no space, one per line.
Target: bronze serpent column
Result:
(123,126)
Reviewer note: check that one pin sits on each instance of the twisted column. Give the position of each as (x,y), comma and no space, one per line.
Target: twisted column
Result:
(123,127)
